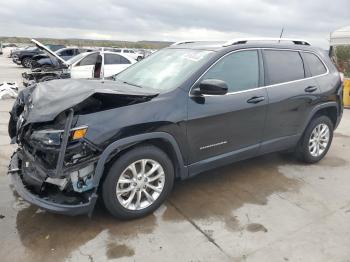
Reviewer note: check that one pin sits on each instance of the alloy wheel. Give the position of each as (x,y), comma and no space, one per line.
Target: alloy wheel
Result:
(319,140)
(140,184)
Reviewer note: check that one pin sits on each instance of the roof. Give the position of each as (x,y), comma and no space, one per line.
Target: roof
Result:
(340,36)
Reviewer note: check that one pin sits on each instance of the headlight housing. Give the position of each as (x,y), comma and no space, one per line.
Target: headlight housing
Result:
(54,137)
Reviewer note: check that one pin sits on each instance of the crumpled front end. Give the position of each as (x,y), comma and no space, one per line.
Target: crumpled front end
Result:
(54,166)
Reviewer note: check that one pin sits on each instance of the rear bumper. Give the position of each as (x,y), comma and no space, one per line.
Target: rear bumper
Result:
(44,203)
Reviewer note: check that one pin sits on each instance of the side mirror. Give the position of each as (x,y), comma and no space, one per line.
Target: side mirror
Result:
(212,87)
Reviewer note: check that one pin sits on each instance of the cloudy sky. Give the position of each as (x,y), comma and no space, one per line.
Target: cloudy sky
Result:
(173,20)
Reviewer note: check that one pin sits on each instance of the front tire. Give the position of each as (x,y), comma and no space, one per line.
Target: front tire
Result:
(316,140)
(138,182)
(26,62)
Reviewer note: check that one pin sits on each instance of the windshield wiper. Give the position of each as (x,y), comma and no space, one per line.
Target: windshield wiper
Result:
(125,82)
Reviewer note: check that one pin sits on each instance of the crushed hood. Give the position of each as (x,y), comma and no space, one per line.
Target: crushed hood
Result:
(48,51)
(48,99)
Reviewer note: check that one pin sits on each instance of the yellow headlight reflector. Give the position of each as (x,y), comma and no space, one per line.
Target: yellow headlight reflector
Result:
(79,133)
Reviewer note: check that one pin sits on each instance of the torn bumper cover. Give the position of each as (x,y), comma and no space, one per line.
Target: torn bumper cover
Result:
(56,178)
(25,184)
(46,203)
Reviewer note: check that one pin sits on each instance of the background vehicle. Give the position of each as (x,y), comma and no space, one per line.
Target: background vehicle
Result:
(128,139)
(95,64)
(129,52)
(45,62)
(14,51)
(24,57)
(99,64)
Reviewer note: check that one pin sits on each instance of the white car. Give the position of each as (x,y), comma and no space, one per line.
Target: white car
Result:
(99,64)
(95,64)
(129,52)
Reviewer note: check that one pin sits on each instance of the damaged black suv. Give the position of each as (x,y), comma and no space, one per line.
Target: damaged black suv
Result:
(185,109)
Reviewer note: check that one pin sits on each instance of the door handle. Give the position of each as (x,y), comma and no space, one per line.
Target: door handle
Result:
(310,89)
(255,99)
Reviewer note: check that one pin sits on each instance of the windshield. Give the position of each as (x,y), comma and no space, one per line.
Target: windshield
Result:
(165,69)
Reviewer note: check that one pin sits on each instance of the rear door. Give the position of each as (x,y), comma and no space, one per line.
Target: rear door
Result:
(114,64)
(84,68)
(292,95)
(225,124)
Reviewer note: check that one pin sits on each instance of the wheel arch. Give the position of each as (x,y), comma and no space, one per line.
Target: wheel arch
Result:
(330,109)
(163,140)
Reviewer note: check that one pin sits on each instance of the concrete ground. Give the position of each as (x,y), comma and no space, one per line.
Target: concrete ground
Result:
(270,208)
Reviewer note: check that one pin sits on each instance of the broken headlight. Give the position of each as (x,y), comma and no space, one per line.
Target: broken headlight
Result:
(54,137)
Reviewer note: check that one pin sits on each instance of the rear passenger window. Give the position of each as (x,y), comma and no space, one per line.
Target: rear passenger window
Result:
(240,70)
(112,59)
(315,65)
(283,66)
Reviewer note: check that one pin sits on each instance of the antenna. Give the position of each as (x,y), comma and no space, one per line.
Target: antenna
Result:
(281,34)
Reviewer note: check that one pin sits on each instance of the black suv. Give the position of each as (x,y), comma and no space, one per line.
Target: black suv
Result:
(24,57)
(185,109)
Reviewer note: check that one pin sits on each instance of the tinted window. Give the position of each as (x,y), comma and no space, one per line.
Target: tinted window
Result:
(315,65)
(239,70)
(111,59)
(126,51)
(89,60)
(283,66)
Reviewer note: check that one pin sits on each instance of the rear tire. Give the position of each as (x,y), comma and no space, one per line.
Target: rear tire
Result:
(127,175)
(316,140)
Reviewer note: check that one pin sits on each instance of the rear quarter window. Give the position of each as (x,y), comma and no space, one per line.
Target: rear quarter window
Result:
(315,65)
(283,66)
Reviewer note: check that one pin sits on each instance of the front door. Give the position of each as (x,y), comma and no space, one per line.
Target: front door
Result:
(232,123)
(85,67)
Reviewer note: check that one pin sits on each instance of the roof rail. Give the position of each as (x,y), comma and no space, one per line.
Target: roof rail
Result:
(245,40)
(184,42)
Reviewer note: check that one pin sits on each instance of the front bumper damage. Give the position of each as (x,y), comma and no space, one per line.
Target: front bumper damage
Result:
(64,188)
(45,202)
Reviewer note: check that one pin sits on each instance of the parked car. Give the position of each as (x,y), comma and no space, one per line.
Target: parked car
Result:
(14,51)
(130,52)
(94,64)
(186,109)
(24,57)
(45,62)
(0,48)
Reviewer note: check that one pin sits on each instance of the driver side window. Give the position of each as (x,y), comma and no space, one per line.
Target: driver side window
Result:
(240,70)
